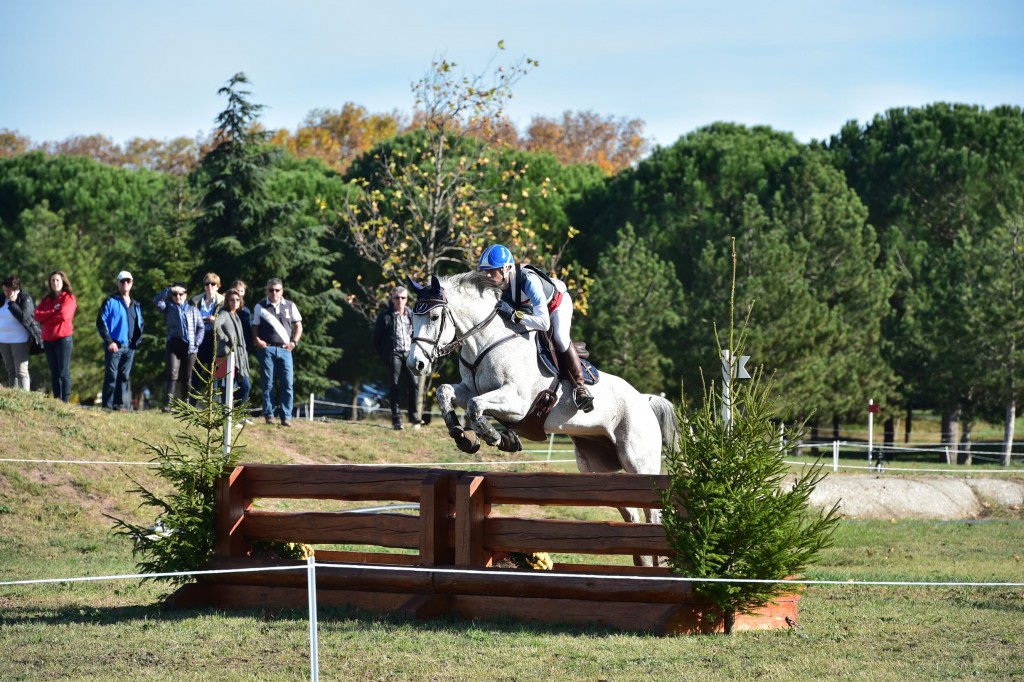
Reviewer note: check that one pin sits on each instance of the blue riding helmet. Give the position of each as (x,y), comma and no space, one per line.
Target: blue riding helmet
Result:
(495,257)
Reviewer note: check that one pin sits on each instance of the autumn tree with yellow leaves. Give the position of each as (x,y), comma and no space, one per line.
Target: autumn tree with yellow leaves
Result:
(430,201)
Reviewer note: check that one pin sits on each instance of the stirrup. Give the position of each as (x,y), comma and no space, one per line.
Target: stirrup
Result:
(584,401)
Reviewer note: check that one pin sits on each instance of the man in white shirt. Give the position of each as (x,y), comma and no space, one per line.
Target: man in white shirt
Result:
(276,330)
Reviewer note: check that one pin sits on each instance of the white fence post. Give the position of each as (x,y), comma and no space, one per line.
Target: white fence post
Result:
(835,456)
(551,443)
(310,407)
(229,400)
(871,430)
(314,647)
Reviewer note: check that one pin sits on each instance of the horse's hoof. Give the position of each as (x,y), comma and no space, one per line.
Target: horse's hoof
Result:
(468,442)
(510,442)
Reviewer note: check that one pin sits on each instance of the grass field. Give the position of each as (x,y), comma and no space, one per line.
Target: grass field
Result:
(53,524)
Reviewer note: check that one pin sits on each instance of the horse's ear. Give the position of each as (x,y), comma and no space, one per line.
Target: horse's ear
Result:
(416,288)
(435,283)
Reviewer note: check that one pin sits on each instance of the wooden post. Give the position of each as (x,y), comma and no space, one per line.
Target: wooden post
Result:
(231,505)
(434,520)
(469,523)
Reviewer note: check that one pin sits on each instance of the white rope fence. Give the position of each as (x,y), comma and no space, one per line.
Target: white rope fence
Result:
(312,565)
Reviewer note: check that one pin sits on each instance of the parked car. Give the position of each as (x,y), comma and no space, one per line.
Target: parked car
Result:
(337,403)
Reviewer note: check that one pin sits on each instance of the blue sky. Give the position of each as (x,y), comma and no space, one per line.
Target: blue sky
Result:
(128,68)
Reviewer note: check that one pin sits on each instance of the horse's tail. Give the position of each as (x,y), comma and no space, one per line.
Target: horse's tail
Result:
(666,415)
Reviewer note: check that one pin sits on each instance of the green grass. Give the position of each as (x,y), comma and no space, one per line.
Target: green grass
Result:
(52,524)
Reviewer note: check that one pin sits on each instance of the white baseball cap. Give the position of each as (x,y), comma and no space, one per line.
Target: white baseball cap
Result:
(124,274)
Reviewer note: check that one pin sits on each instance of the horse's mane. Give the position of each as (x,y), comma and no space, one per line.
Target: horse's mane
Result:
(473,278)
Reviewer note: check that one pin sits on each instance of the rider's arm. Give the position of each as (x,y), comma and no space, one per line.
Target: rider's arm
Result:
(538,319)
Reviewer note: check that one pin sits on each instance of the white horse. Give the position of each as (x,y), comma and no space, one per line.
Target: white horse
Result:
(501,376)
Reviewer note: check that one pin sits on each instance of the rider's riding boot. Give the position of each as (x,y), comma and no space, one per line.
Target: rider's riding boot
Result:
(571,366)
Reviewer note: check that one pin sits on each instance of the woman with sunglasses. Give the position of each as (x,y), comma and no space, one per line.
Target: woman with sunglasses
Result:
(209,304)
(231,337)
(185,332)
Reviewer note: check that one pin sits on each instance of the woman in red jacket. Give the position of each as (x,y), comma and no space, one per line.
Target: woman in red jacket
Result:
(54,314)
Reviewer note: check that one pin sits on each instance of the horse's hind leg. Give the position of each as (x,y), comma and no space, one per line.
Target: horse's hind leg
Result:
(634,515)
(448,396)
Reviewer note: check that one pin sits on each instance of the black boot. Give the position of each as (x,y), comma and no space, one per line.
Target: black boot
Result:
(573,371)
(169,391)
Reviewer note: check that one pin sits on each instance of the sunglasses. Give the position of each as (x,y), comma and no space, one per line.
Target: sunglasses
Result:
(179,293)
(273,289)
(209,284)
(127,279)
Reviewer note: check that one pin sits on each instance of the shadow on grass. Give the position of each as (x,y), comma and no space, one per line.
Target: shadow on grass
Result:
(449,624)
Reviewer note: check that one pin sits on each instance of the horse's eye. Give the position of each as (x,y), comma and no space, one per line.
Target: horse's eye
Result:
(435,317)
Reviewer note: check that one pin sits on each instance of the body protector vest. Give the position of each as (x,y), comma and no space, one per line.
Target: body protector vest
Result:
(514,296)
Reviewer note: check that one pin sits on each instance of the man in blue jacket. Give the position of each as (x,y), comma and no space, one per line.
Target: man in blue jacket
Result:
(119,323)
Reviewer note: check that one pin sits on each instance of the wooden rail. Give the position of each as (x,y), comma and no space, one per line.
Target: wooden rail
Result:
(458,527)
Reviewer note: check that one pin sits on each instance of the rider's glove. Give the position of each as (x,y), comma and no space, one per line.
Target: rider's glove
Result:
(504,308)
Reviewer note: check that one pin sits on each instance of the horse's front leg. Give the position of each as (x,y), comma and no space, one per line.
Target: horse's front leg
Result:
(448,397)
(505,400)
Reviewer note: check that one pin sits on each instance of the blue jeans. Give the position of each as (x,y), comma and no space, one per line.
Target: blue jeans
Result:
(117,367)
(276,363)
(58,356)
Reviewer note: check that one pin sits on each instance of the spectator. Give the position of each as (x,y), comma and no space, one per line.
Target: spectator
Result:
(19,332)
(244,313)
(185,333)
(392,336)
(231,337)
(119,322)
(209,303)
(55,313)
(276,330)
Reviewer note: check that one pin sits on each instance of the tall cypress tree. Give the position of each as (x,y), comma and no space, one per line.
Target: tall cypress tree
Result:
(246,231)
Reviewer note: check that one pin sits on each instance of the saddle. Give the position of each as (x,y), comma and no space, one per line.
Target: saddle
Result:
(531,426)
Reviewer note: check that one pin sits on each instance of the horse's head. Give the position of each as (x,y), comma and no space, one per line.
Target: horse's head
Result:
(447,311)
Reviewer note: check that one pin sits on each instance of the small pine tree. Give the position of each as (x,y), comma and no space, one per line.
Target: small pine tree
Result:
(727,513)
(182,537)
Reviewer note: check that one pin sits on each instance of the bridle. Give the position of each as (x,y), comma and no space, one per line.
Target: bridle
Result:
(437,351)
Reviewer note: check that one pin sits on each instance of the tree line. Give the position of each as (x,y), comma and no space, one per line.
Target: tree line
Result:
(882,263)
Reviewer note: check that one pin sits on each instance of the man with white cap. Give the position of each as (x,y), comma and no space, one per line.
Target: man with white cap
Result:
(119,323)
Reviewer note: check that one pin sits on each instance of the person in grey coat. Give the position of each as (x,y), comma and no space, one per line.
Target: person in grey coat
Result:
(231,337)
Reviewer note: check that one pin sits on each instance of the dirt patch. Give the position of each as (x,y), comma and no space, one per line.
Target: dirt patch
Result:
(883,496)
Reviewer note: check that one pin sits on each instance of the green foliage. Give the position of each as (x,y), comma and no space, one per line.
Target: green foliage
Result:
(727,512)
(634,290)
(944,185)
(183,534)
(808,258)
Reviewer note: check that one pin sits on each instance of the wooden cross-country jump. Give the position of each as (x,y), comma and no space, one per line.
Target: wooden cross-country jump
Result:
(460,525)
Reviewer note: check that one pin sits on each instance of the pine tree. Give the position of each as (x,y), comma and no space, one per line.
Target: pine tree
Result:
(727,512)
(634,290)
(245,233)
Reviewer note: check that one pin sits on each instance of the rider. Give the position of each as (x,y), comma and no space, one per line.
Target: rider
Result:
(551,309)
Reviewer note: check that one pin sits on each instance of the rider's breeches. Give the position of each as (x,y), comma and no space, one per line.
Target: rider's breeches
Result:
(561,321)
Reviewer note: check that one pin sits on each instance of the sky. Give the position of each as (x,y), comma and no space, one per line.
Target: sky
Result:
(131,68)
